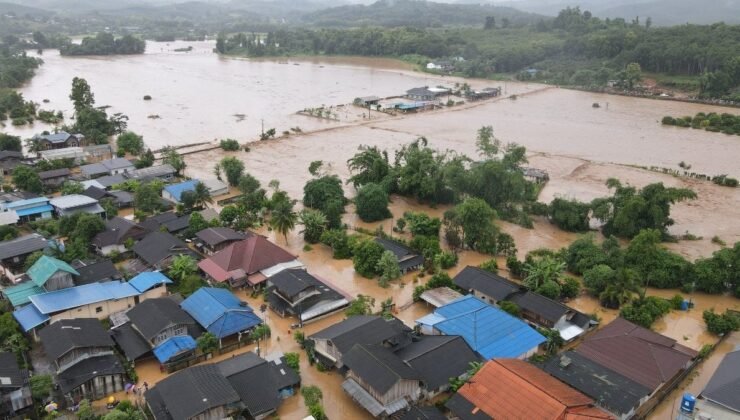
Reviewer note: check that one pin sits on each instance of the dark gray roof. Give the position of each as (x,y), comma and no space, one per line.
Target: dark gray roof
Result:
(153,223)
(22,245)
(490,284)
(284,375)
(612,391)
(363,329)
(724,386)
(109,180)
(54,173)
(378,367)
(544,307)
(156,246)
(94,169)
(67,334)
(12,375)
(96,272)
(420,91)
(219,235)
(88,369)
(5,154)
(179,224)
(130,341)
(422,413)
(59,137)
(463,409)
(290,283)
(117,230)
(152,316)
(407,257)
(122,198)
(95,192)
(438,358)
(190,392)
(152,172)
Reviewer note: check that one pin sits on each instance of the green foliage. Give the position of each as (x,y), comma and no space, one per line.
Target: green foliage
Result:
(233,168)
(511,308)
(314,224)
(312,397)
(656,266)
(283,218)
(207,343)
(570,287)
(457,383)
(31,259)
(550,289)
(27,179)
(130,142)
(370,165)
(540,271)
(388,268)
(104,43)
(318,193)
(474,219)
(570,215)
(172,157)
(11,337)
(8,142)
(645,311)
(422,224)
(372,203)
(597,278)
(110,207)
(190,284)
(554,340)
(362,305)
(721,324)
(41,386)
(440,279)
(338,240)
(490,265)
(145,160)
(365,258)
(72,187)
(725,123)
(182,266)
(293,361)
(147,197)
(446,260)
(229,145)
(8,232)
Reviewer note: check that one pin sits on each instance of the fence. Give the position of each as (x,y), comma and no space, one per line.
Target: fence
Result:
(195,359)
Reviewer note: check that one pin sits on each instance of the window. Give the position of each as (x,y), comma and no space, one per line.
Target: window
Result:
(99,309)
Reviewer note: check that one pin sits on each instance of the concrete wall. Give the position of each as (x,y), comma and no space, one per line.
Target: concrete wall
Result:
(107,307)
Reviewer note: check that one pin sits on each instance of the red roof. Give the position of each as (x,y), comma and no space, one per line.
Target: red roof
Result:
(248,257)
(515,389)
(644,356)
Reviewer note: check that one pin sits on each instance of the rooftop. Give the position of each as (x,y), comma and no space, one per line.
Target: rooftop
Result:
(148,280)
(45,267)
(485,282)
(152,316)
(174,347)
(361,329)
(22,245)
(215,236)
(157,246)
(220,312)
(54,173)
(19,294)
(176,190)
(73,297)
(98,271)
(72,201)
(67,334)
(723,386)
(378,367)
(251,255)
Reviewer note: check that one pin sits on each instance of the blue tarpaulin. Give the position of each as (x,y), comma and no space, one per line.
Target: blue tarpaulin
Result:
(174,346)
(220,312)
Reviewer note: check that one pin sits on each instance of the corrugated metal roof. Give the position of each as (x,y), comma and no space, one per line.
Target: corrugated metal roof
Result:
(220,311)
(176,190)
(73,297)
(72,201)
(22,245)
(27,202)
(8,218)
(19,295)
(174,346)
(92,183)
(29,317)
(35,210)
(45,267)
(149,279)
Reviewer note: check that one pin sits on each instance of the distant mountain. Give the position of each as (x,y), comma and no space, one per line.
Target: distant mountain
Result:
(414,13)
(22,10)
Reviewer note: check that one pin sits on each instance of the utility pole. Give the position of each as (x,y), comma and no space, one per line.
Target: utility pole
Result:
(263,126)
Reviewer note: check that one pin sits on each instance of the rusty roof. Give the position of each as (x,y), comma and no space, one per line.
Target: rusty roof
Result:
(515,389)
(253,254)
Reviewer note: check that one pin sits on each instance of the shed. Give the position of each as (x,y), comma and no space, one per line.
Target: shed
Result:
(51,273)
(440,296)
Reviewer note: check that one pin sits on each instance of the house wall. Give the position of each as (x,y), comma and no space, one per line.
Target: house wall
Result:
(484,297)
(77,355)
(59,280)
(404,388)
(19,398)
(54,182)
(216,413)
(102,310)
(121,170)
(97,388)
(170,331)
(327,349)
(535,318)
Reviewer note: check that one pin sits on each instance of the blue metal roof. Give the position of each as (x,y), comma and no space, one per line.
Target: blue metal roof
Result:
(27,202)
(489,330)
(35,210)
(174,346)
(147,280)
(29,317)
(176,190)
(220,312)
(72,297)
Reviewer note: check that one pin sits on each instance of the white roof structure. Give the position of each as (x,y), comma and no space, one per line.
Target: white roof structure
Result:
(269,272)
(68,152)
(92,183)
(440,296)
(215,187)
(8,218)
(76,203)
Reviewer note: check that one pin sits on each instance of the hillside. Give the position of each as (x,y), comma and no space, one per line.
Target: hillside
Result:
(22,10)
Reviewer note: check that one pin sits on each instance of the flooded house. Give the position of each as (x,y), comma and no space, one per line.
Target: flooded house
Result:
(720,398)
(76,154)
(14,252)
(249,262)
(163,172)
(538,176)
(173,192)
(54,178)
(157,249)
(15,389)
(115,166)
(296,292)
(83,357)
(220,312)
(68,205)
(121,199)
(214,239)
(60,140)
(46,274)
(118,232)
(10,159)
(515,389)
(408,259)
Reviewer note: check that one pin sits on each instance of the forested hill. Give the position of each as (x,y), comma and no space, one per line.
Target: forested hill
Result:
(393,13)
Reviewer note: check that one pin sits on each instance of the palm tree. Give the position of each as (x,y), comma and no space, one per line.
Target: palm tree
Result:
(202,195)
(543,270)
(314,222)
(283,218)
(182,266)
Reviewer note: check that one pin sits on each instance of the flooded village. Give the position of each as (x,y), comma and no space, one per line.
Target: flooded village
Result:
(140,277)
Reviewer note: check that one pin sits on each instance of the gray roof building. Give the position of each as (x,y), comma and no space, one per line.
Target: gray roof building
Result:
(156,247)
(67,334)
(723,388)
(22,245)
(408,259)
(489,284)
(76,203)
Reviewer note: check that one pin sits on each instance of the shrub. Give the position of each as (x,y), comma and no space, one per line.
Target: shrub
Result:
(446,259)
(293,360)
(510,307)
(721,324)
(229,144)
(490,265)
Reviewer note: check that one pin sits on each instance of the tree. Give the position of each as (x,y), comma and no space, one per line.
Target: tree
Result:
(110,207)
(632,74)
(85,411)
(207,343)
(421,173)
(597,278)
(570,215)
(31,259)
(620,291)
(318,192)
(25,178)
(314,223)
(543,270)
(12,143)
(488,145)
(233,168)
(201,195)
(550,289)
(370,165)
(421,224)
(145,160)
(171,157)
(372,203)
(147,197)
(388,268)
(81,96)
(182,266)
(8,232)
(190,284)
(229,145)
(130,142)
(41,387)
(490,266)
(474,218)
(721,324)
(553,340)
(87,226)
(72,187)
(283,218)
(366,256)
(248,184)
(362,305)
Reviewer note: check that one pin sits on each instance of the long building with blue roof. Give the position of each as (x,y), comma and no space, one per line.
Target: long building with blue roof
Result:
(220,312)
(173,192)
(490,331)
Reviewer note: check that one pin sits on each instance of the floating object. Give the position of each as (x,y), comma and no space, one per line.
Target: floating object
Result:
(596,105)
(111,399)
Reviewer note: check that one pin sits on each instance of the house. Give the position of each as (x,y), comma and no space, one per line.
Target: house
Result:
(94,300)
(115,166)
(77,154)
(13,196)
(31,209)
(157,249)
(548,313)
(157,325)
(98,152)
(67,205)
(333,342)
(220,312)
(9,160)
(408,259)
(54,178)
(162,172)
(15,389)
(248,262)
(244,384)
(617,394)
(13,254)
(82,356)
(8,218)
(51,274)
(515,389)
(108,181)
(366,101)
(95,272)
(426,93)
(484,285)
(215,187)
(444,66)
(120,198)
(212,240)
(486,93)
(168,220)
(295,292)
(118,232)
(59,140)
(173,192)
(720,398)
(535,175)
(490,331)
